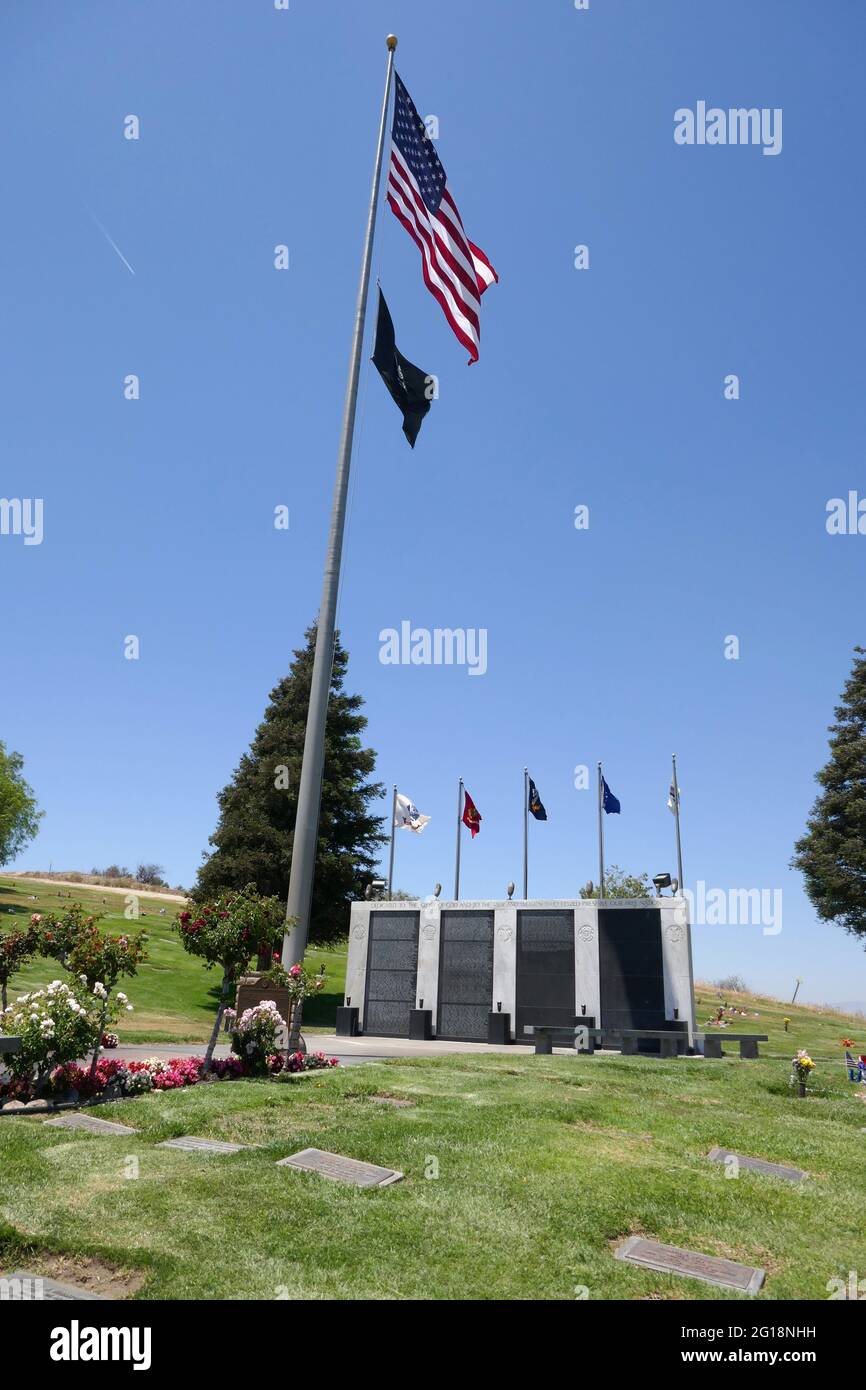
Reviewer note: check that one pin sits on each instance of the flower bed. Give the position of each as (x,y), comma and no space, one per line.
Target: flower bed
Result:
(115,1079)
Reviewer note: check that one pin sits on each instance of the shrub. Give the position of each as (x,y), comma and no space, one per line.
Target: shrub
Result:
(16,948)
(56,1025)
(255,1035)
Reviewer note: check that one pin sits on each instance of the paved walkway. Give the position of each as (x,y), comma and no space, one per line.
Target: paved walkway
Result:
(350,1051)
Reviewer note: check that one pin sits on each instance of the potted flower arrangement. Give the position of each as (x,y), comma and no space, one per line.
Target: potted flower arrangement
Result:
(801,1066)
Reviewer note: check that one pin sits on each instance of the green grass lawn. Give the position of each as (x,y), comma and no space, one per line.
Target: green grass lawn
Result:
(174,995)
(544,1165)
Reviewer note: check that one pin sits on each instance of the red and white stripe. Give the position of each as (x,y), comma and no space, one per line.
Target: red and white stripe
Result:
(456,272)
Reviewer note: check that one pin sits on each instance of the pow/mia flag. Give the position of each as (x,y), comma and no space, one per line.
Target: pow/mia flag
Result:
(408,385)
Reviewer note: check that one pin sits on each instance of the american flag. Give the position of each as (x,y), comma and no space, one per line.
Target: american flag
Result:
(456,272)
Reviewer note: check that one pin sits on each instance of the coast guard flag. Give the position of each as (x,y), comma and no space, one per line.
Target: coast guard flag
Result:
(608,800)
(456,272)
(408,385)
(535,805)
(406,815)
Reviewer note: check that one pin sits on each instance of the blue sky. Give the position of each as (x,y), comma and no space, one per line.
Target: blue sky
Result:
(601,387)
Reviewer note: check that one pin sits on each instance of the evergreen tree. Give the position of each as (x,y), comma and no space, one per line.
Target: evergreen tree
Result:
(832,853)
(253,839)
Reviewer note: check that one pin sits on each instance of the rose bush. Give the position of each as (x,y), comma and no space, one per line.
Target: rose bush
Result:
(255,1035)
(56,1025)
(227,933)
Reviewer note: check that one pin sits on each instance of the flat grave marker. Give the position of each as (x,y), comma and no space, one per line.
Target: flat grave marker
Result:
(91,1123)
(205,1146)
(692,1264)
(341,1169)
(23,1287)
(758,1165)
(399,1102)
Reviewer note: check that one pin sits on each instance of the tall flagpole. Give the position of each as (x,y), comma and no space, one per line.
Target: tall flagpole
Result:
(677,816)
(310,790)
(457,858)
(393,836)
(525,833)
(600,836)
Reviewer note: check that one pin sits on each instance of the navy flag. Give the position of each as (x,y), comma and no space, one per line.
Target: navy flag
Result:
(535,805)
(608,800)
(409,387)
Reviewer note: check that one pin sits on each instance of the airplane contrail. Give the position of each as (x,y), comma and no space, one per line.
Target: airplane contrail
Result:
(112,243)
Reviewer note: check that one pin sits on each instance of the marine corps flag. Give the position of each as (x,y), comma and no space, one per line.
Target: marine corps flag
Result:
(471,818)
(408,385)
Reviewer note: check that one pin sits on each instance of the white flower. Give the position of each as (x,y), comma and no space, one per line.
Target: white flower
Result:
(129,1008)
(121,997)
(83,979)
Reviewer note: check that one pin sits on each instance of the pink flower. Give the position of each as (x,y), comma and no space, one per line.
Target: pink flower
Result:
(295,971)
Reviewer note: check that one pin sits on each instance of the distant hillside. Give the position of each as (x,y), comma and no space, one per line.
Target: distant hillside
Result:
(851,1006)
(118,881)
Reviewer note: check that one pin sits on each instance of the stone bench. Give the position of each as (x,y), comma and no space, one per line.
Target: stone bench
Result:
(748,1042)
(671,1041)
(567,1036)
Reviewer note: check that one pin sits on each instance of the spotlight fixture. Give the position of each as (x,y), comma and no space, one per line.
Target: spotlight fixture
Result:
(661,881)
(510,891)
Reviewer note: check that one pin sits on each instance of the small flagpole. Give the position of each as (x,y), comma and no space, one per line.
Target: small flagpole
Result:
(600,835)
(457,860)
(525,833)
(691,1031)
(677,816)
(393,837)
(306,829)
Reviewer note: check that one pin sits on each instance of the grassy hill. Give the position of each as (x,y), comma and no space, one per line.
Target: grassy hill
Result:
(174,995)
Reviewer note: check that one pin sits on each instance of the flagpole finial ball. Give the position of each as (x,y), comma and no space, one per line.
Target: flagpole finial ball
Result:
(391,42)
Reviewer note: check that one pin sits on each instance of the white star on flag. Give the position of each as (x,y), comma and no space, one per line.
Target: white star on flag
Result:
(406,816)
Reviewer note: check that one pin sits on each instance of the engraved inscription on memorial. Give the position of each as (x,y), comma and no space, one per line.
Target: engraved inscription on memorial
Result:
(465,974)
(545,970)
(206,1146)
(669,1259)
(91,1123)
(341,1169)
(392,972)
(23,1287)
(758,1165)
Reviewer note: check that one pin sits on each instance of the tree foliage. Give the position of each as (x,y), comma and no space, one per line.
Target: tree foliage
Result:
(253,839)
(619,884)
(19,814)
(831,855)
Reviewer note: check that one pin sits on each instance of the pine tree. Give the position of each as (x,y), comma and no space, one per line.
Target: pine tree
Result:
(253,839)
(832,853)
